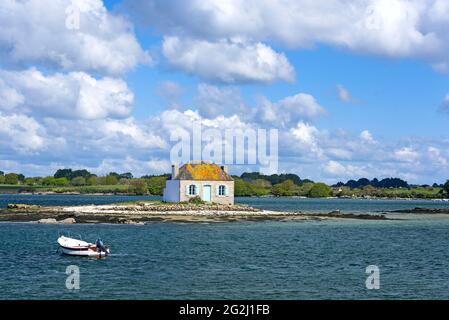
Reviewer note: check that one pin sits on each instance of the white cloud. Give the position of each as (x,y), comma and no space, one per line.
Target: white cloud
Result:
(367,137)
(135,166)
(436,156)
(307,139)
(340,171)
(344,95)
(288,111)
(406,154)
(394,28)
(35,31)
(9,97)
(227,61)
(21,133)
(213,101)
(73,95)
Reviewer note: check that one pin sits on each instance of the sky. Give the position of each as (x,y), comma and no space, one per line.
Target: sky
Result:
(355,89)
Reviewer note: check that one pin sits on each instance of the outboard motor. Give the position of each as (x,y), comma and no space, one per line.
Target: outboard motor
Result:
(100,246)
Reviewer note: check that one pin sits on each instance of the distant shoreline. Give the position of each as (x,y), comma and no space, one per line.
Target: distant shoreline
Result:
(257,197)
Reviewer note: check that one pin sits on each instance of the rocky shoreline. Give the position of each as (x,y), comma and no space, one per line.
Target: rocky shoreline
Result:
(419,210)
(153,211)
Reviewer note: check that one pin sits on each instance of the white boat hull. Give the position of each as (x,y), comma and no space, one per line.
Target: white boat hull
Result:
(75,247)
(86,253)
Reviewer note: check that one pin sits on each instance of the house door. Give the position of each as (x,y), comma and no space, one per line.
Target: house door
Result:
(207,193)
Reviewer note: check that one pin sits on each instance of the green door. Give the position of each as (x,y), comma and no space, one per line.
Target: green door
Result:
(207,193)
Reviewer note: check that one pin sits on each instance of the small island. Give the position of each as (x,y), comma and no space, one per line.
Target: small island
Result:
(141,212)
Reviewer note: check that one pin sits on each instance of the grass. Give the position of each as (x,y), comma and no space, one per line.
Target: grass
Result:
(92,189)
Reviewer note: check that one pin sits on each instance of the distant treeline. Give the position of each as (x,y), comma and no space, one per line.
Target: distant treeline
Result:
(247,184)
(381,184)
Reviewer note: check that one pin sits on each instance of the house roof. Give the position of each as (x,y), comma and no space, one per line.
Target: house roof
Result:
(202,171)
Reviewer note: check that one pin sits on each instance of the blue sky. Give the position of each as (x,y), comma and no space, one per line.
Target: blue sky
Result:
(357,90)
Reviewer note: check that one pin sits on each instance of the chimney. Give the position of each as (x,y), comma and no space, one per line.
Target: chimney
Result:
(174,171)
(224,168)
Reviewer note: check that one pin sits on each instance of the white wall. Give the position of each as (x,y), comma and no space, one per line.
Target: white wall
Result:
(171,191)
(227,199)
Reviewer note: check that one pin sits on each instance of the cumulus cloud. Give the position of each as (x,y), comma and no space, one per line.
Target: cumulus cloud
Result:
(213,101)
(39,32)
(288,111)
(307,139)
(437,156)
(9,97)
(341,171)
(135,166)
(21,134)
(73,95)
(406,154)
(367,137)
(227,61)
(394,28)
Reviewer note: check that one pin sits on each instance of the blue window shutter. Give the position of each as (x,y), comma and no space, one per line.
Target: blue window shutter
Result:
(217,190)
(226,190)
(187,190)
(197,190)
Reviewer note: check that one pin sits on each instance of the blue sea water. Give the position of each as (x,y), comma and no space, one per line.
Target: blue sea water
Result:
(239,260)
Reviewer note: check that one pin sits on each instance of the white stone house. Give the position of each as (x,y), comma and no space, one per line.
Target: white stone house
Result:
(210,182)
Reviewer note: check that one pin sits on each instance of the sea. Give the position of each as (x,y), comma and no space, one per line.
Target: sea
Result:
(403,258)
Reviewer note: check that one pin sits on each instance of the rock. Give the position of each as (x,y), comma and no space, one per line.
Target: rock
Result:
(68,221)
(47,221)
(133,222)
(21,206)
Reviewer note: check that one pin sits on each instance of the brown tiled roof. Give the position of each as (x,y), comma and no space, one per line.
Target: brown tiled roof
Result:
(202,171)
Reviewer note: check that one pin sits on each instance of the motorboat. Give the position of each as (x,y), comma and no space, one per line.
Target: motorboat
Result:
(77,247)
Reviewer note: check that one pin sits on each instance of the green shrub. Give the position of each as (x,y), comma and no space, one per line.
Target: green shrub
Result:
(320,190)
(196,200)
(78,181)
(11,178)
(138,186)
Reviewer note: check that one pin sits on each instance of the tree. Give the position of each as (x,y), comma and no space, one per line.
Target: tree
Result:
(138,186)
(80,173)
(11,178)
(31,181)
(2,179)
(48,181)
(286,188)
(241,188)
(107,180)
(304,189)
(61,182)
(91,181)
(126,175)
(2,173)
(52,181)
(320,190)
(156,185)
(446,187)
(78,181)
(369,190)
(63,173)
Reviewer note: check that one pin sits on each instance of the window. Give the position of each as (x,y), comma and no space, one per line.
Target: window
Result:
(222,190)
(192,190)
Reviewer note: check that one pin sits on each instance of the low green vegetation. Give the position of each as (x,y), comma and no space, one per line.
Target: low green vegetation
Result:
(252,184)
(255,184)
(82,181)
